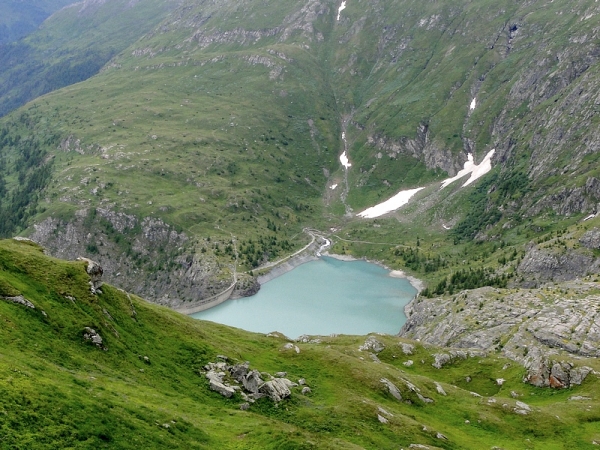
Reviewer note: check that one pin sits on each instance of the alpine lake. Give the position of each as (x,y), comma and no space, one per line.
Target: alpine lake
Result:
(321,297)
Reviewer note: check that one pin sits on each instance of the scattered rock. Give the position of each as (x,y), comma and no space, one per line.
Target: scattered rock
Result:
(301,381)
(408,349)
(392,389)
(290,346)
(440,360)
(89,334)
(408,363)
(221,375)
(468,379)
(306,390)
(382,419)
(374,358)
(500,381)
(372,344)
(280,374)
(439,388)
(441,436)
(578,397)
(383,411)
(245,406)
(20,300)
(276,389)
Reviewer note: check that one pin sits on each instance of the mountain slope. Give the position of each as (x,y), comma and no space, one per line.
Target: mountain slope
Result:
(144,384)
(71,46)
(18,18)
(207,146)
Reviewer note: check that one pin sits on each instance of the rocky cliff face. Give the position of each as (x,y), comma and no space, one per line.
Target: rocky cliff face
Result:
(145,256)
(558,263)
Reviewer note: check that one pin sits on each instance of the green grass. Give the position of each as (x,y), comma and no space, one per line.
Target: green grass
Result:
(59,391)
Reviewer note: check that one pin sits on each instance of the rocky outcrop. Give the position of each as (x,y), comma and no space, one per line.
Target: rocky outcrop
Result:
(549,373)
(19,300)
(95,272)
(422,147)
(531,326)
(145,256)
(372,344)
(541,264)
(92,336)
(591,239)
(226,379)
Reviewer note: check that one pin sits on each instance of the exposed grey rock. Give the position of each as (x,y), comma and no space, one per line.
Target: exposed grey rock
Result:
(522,405)
(578,374)
(95,272)
(306,390)
(441,436)
(591,239)
(225,391)
(540,264)
(382,419)
(89,334)
(554,374)
(301,381)
(252,381)
(280,374)
(372,344)
(19,300)
(441,359)
(384,412)
(408,349)
(408,363)
(579,398)
(276,389)
(290,346)
(375,358)
(239,371)
(559,375)
(392,389)
(245,406)
(533,325)
(439,388)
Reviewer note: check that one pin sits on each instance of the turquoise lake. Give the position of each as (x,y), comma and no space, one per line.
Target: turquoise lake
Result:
(320,298)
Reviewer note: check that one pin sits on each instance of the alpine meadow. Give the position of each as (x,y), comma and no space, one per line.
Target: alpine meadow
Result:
(161,156)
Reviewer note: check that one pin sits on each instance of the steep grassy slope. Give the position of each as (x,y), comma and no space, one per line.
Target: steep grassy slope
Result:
(145,388)
(218,133)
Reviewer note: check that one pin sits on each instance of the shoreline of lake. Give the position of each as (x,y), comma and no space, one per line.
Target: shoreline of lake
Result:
(418,284)
(327,296)
(296,261)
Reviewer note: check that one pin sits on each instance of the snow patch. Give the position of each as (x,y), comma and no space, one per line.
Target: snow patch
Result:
(446,228)
(392,204)
(473,104)
(333,186)
(345,161)
(340,9)
(476,170)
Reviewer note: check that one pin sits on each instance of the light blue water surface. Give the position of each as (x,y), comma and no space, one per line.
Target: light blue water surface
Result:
(321,297)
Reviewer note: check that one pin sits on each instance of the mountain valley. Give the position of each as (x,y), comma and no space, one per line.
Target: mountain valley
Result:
(190,147)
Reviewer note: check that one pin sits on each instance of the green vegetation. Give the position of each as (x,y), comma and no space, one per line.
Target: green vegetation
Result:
(146,388)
